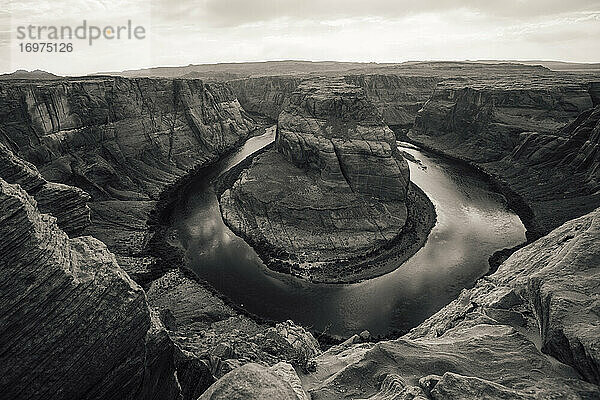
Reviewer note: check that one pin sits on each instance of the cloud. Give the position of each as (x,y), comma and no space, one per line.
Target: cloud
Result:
(238,12)
(208,31)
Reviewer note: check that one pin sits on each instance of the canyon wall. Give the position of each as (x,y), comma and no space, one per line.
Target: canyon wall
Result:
(516,133)
(482,122)
(67,203)
(74,325)
(118,138)
(123,142)
(398,98)
(265,95)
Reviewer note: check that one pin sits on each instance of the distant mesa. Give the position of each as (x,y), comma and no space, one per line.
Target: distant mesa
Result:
(24,74)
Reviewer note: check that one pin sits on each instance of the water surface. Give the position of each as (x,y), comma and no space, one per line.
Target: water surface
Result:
(473,222)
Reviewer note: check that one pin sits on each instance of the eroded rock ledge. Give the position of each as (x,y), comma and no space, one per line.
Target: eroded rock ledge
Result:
(74,325)
(332,193)
(515,132)
(498,340)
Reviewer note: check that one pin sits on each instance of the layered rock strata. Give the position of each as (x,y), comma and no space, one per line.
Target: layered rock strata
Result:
(518,136)
(398,98)
(266,95)
(333,189)
(67,203)
(74,325)
(123,141)
(482,121)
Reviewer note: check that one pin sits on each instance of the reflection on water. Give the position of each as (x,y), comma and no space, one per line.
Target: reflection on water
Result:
(472,223)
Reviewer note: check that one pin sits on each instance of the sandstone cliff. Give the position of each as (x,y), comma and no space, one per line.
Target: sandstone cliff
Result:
(74,325)
(334,188)
(332,129)
(265,95)
(67,203)
(482,122)
(398,98)
(516,133)
(123,141)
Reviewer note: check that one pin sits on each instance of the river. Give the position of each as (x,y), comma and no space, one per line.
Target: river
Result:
(473,221)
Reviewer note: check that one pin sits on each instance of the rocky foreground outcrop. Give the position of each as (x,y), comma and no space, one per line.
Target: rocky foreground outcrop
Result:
(74,325)
(67,203)
(334,188)
(253,381)
(122,141)
(529,331)
(221,337)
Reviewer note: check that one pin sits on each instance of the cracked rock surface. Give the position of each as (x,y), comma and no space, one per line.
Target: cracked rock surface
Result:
(500,339)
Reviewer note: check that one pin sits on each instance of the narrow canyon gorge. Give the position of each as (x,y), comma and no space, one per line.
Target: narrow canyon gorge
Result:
(100,298)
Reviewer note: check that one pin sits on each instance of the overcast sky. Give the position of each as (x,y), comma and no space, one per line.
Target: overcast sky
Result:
(208,31)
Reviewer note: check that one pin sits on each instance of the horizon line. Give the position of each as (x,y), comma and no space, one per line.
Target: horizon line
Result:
(499,60)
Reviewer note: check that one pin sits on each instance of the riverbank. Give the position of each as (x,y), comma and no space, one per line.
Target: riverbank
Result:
(514,201)
(421,218)
(178,276)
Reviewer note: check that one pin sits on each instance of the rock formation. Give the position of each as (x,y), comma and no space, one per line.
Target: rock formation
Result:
(482,122)
(266,95)
(335,188)
(515,133)
(483,344)
(222,338)
(398,98)
(253,381)
(74,325)
(123,141)
(67,203)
